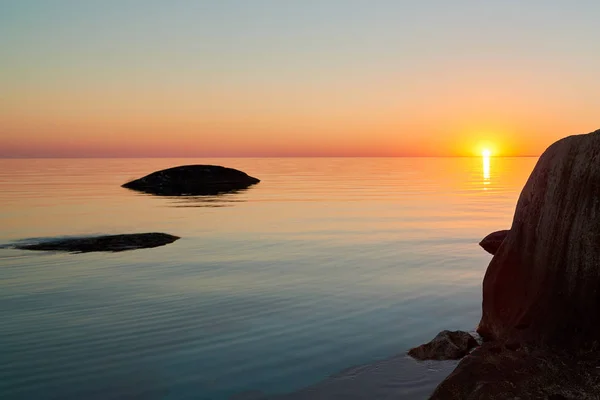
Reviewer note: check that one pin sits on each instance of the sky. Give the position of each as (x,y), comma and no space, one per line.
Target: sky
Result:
(256,78)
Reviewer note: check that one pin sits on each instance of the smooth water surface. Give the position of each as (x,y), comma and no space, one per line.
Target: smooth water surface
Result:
(325,265)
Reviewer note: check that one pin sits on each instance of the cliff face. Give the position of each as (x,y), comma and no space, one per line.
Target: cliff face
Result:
(543,283)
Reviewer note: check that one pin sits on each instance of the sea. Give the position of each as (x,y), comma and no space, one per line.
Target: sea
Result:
(312,284)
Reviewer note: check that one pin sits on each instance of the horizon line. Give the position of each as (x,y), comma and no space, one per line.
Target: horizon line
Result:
(172,157)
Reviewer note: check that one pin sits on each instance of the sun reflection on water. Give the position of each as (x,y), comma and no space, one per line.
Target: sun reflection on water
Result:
(486,168)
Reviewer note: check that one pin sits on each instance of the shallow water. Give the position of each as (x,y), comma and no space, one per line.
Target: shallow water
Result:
(326,265)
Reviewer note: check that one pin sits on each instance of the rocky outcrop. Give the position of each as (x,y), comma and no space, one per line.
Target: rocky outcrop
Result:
(491,243)
(541,291)
(447,345)
(543,284)
(192,180)
(512,371)
(111,243)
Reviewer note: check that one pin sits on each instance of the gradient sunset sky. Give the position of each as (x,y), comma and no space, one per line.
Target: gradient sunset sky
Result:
(124,78)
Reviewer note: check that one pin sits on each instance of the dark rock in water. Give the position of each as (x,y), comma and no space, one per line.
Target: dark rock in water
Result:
(496,371)
(104,243)
(492,242)
(447,345)
(543,284)
(193,180)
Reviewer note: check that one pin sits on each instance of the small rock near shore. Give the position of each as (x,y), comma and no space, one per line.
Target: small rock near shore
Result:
(447,345)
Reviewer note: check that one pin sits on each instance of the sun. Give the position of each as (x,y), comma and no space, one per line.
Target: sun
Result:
(486,152)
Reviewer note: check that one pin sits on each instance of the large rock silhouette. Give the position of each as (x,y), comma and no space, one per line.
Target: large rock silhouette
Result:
(541,291)
(543,284)
(192,180)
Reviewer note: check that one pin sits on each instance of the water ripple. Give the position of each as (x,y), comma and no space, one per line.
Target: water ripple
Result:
(324,265)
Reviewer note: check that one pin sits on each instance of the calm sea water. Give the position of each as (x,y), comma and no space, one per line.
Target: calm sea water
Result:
(321,276)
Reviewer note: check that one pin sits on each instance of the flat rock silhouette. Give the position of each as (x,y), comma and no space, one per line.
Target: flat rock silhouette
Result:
(447,345)
(492,242)
(192,180)
(543,283)
(110,243)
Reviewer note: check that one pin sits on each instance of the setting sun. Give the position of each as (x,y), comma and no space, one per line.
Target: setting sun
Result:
(486,153)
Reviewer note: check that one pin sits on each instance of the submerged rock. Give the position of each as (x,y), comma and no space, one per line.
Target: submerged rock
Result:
(111,243)
(447,345)
(543,283)
(492,242)
(192,180)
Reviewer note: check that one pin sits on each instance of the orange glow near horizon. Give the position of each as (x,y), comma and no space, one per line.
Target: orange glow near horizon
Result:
(307,118)
(85,134)
(224,80)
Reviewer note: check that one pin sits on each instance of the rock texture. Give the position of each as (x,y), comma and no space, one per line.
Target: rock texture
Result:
(192,180)
(511,371)
(111,243)
(491,243)
(541,291)
(543,284)
(447,345)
